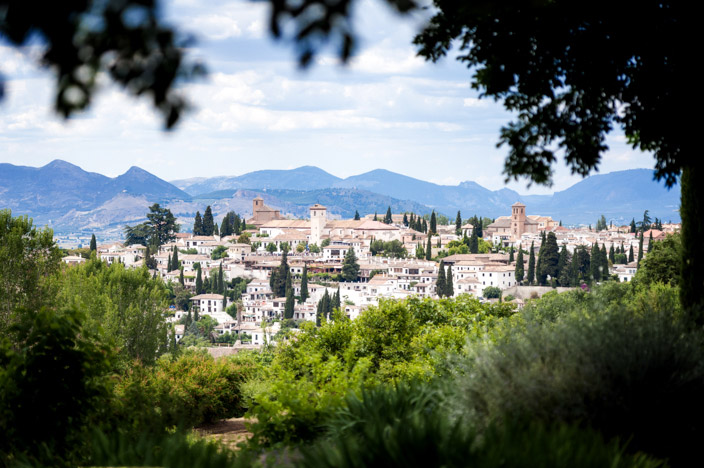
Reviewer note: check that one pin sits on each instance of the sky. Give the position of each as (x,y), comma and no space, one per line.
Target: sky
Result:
(387,109)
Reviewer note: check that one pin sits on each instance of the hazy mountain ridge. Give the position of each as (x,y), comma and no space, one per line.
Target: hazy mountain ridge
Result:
(68,198)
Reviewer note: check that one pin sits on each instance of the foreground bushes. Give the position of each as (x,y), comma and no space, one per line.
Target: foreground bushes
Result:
(186,391)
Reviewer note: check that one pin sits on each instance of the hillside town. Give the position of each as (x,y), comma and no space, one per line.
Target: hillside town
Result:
(352,264)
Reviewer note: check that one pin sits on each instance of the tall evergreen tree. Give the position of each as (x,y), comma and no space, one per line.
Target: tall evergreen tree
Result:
(289,305)
(304,284)
(169,264)
(208,222)
(596,266)
(356,215)
(429,248)
(449,283)
(548,259)
(479,227)
(458,224)
(650,242)
(474,242)
(612,254)
(405,219)
(563,267)
(440,286)
(425,226)
(181,279)
(581,266)
(198,225)
(175,262)
(350,267)
(216,230)
(531,264)
(337,301)
(93,243)
(375,217)
(510,255)
(282,274)
(420,252)
(221,281)
(388,219)
(633,225)
(199,282)
(433,223)
(640,245)
(630,254)
(519,265)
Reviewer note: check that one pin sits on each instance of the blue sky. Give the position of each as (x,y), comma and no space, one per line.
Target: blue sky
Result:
(256,110)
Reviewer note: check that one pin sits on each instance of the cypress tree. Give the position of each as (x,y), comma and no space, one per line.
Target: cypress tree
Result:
(640,247)
(375,217)
(337,302)
(612,254)
(304,284)
(175,263)
(199,282)
(350,267)
(650,242)
(440,286)
(93,243)
(429,249)
(474,242)
(221,281)
(519,265)
(181,278)
(405,219)
(388,219)
(479,227)
(356,215)
(198,225)
(282,275)
(433,223)
(216,230)
(289,305)
(631,257)
(208,222)
(564,267)
(633,225)
(169,264)
(425,226)
(449,287)
(548,259)
(531,264)
(596,266)
(458,224)
(510,255)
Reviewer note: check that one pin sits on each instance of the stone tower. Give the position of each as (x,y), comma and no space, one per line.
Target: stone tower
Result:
(518,220)
(318,219)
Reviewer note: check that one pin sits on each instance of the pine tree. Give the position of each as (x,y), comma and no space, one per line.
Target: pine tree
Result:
(169,264)
(440,286)
(93,243)
(199,282)
(181,279)
(429,249)
(519,265)
(564,267)
(356,215)
(449,287)
(198,225)
(640,245)
(375,217)
(612,254)
(425,226)
(479,227)
(433,223)
(216,230)
(630,255)
(458,224)
(208,222)
(304,285)
(337,301)
(405,219)
(633,225)
(510,255)
(531,264)
(282,275)
(350,267)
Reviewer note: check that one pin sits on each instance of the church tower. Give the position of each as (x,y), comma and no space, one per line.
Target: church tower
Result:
(318,220)
(518,220)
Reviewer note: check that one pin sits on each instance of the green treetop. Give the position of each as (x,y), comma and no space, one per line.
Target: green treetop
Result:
(350,267)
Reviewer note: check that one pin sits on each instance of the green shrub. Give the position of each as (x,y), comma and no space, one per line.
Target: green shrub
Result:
(407,426)
(187,391)
(624,364)
(52,388)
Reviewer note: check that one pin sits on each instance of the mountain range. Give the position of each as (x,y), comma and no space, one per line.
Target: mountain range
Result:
(69,199)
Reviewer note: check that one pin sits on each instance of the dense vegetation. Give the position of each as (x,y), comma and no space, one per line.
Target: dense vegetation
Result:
(89,376)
